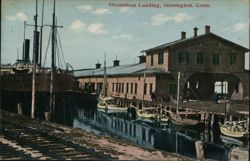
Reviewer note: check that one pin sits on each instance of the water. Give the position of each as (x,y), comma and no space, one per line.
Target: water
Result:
(79,111)
(152,135)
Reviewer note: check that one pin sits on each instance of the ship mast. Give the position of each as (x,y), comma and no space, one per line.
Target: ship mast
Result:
(35,54)
(105,76)
(52,104)
(178,92)
(41,37)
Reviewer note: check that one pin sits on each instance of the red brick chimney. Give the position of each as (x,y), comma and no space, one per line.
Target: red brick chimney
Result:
(183,35)
(207,29)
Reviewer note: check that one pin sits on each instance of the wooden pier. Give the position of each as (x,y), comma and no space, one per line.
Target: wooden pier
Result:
(228,110)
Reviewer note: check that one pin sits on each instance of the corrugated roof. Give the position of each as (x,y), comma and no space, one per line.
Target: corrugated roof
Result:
(129,69)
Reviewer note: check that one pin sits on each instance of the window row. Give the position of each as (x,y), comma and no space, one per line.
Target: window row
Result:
(183,58)
(120,87)
(160,58)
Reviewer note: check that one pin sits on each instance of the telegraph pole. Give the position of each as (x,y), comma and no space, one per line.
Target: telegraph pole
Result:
(35,53)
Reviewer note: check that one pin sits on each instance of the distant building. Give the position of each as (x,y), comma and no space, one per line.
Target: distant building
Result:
(208,63)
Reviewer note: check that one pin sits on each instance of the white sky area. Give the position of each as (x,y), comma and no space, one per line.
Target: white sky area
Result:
(93,27)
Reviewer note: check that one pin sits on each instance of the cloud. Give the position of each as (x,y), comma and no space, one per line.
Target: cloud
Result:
(124,9)
(124,36)
(180,17)
(239,26)
(85,8)
(96,28)
(101,11)
(20,16)
(78,26)
(160,19)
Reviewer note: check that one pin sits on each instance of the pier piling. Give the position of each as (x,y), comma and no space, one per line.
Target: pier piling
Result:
(19,109)
(47,116)
(199,150)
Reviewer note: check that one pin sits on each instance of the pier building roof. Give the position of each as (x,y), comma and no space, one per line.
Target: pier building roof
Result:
(129,69)
(190,39)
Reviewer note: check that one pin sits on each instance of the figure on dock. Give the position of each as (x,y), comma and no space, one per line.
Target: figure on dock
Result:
(188,94)
(153,96)
(215,97)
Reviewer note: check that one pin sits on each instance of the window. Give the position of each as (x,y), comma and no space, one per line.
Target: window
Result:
(113,87)
(150,88)
(131,88)
(119,87)
(172,88)
(145,88)
(152,59)
(197,85)
(221,87)
(116,87)
(135,88)
(216,59)
(232,59)
(127,87)
(199,58)
(183,57)
(160,57)
(188,84)
(122,87)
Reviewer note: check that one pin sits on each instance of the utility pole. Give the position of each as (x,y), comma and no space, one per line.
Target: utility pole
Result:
(35,51)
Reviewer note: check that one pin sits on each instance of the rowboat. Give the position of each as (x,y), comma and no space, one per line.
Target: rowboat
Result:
(234,129)
(178,120)
(109,104)
(147,114)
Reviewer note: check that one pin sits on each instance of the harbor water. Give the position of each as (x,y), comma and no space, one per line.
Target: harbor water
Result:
(152,134)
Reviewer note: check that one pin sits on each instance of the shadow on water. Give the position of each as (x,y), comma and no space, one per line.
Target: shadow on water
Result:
(169,137)
(79,111)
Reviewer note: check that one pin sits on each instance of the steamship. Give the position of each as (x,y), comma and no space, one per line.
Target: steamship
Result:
(25,78)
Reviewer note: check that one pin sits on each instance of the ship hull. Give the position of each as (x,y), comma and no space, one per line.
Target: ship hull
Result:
(23,82)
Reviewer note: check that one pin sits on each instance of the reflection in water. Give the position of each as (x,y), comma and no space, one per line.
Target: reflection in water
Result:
(166,137)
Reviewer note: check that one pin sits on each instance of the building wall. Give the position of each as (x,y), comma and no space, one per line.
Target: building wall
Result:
(155,62)
(133,79)
(207,46)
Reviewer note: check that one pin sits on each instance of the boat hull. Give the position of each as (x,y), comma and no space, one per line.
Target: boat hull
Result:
(174,119)
(227,131)
(23,82)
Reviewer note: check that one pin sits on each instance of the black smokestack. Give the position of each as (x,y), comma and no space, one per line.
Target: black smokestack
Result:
(36,45)
(26,50)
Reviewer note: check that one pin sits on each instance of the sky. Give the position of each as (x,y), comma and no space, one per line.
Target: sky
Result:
(119,28)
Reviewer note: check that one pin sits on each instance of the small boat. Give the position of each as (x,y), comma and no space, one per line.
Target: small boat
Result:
(147,114)
(108,103)
(234,129)
(178,120)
